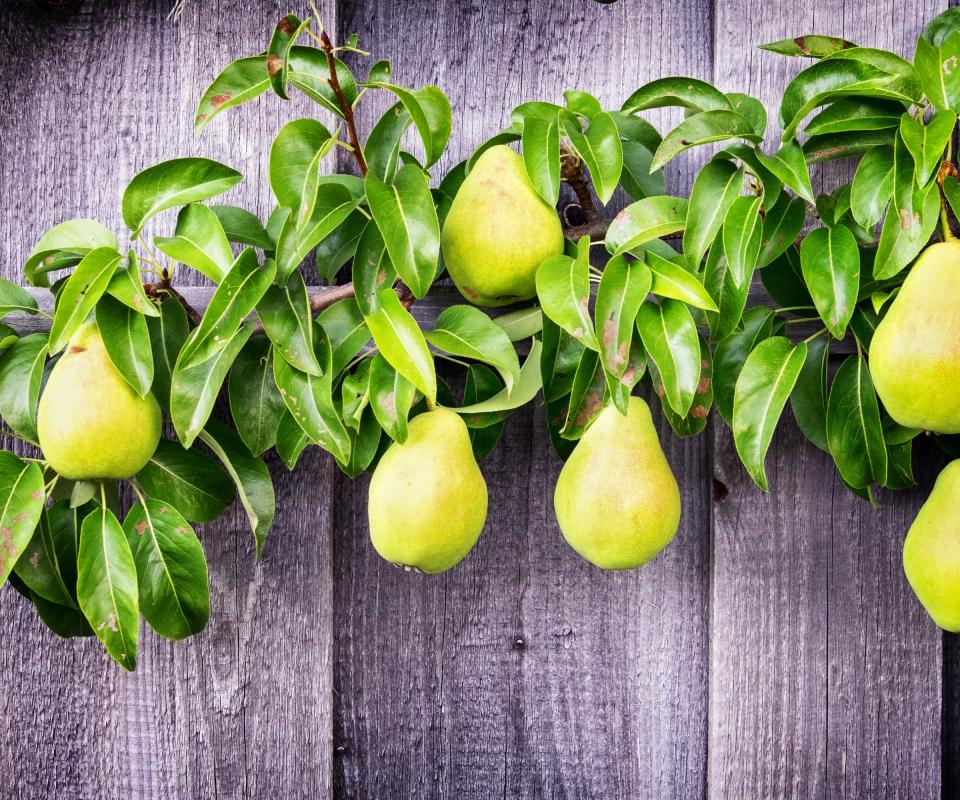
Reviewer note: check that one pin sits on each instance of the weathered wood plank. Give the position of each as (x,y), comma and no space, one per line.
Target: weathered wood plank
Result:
(825,676)
(524,672)
(244,710)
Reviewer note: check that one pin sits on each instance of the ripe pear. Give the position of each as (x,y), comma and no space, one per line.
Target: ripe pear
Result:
(498,231)
(91,424)
(428,499)
(616,500)
(931,551)
(915,351)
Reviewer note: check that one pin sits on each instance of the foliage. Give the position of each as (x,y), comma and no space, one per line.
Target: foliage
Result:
(669,308)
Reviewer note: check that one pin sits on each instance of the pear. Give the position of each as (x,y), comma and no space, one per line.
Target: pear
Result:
(931,551)
(428,500)
(616,500)
(90,423)
(915,351)
(498,231)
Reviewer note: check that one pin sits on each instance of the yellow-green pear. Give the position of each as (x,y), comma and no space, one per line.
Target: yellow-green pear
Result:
(915,351)
(428,500)
(616,500)
(498,231)
(91,424)
(931,552)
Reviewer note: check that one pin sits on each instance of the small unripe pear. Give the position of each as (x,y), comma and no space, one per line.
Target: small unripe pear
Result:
(498,231)
(428,500)
(91,424)
(617,502)
(931,551)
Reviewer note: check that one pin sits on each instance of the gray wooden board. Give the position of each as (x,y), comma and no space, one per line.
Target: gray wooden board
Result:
(525,672)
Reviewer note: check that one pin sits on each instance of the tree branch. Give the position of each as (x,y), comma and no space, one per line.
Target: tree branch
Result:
(571,170)
(163,288)
(347,109)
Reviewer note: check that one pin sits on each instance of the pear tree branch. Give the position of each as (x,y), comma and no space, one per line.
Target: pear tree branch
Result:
(345,106)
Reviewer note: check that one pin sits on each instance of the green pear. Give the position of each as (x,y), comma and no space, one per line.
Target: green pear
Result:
(91,424)
(428,500)
(616,500)
(931,551)
(915,351)
(498,231)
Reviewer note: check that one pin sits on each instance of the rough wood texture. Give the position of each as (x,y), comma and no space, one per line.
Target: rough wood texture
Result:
(524,672)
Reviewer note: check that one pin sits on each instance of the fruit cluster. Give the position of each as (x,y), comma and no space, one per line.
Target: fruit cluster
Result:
(657,295)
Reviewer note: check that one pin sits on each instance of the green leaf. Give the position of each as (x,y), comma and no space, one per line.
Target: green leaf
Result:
(126,285)
(560,357)
(64,621)
(521,324)
(127,342)
(48,565)
(524,390)
(729,296)
(696,420)
(781,227)
(372,269)
(107,585)
(732,352)
(194,389)
(599,148)
(714,191)
(540,143)
(310,73)
(382,148)
(586,396)
(811,46)
(856,114)
(563,287)
(291,440)
(249,473)
(742,237)
(702,128)
(582,103)
(285,35)
(21,373)
(482,384)
(364,444)
(174,593)
(173,183)
(80,294)
(340,246)
(347,330)
(809,397)
(168,332)
(255,401)
(672,280)
(199,242)
(407,219)
(784,280)
(622,289)
(872,186)
(789,165)
(242,227)
(688,93)
(762,389)
(188,480)
(21,504)
(75,236)
(295,156)
(752,109)
(391,396)
(240,81)
(636,178)
(830,260)
(310,400)
(15,298)
(833,146)
(937,67)
(927,142)
(670,338)
(401,342)
(431,114)
(288,321)
(854,428)
(644,220)
(466,331)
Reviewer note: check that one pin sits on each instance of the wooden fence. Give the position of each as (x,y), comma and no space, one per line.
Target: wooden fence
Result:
(774,650)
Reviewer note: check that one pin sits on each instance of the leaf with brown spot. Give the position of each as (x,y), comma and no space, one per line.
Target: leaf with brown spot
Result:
(20,510)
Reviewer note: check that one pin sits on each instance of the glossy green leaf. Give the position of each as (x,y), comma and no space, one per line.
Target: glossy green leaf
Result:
(830,260)
(521,323)
(809,397)
(623,287)
(401,342)
(431,114)
(127,342)
(250,475)
(696,419)
(789,165)
(750,108)
(927,142)
(732,352)
(168,332)
(296,152)
(255,401)
(856,114)
(714,191)
(811,46)
(75,236)
(48,565)
(199,242)
(783,279)
(560,356)
(291,440)
(288,321)
(15,298)
(636,178)
(690,93)
(563,288)
(729,296)
(372,269)
(936,65)
(600,149)
(340,246)
(285,36)
(107,585)
(21,373)
(188,480)
(391,397)
(382,148)
(540,142)
(482,384)
(126,285)
(872,187)
(85,286)
(468,332)
(364,444)
(347,330)
(781,227)
(702,128)
(242,227)
(524,390)
(21,504)
(670,279)
(670,338)
(174,593)
(742,237)
(763,387)
(645,220)
(173,183)
(240,81)
(234,299)
(586,396)
(310,73)
(854,428)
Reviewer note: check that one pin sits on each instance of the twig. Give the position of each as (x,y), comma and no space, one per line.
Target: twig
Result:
(347,109)
(571,170)
(596,229)
(163,287)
